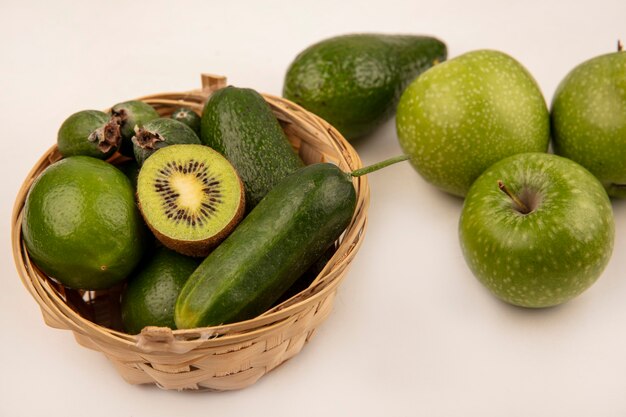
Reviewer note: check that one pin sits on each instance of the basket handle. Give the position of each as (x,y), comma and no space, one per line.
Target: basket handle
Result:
(212,82)
(161,339)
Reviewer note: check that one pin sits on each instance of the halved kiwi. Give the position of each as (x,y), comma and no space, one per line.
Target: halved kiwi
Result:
(191,197)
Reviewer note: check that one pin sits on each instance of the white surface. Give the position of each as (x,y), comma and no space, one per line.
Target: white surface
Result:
(412,332)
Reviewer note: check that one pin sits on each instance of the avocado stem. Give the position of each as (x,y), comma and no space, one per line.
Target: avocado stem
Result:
(521,207)
(378,165)
(620,47)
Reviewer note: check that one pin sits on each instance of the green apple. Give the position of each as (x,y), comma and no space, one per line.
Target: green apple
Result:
(463,115)
(589,119)
(537,229)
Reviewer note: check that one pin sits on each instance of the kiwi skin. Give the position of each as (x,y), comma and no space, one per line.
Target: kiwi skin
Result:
(199,248)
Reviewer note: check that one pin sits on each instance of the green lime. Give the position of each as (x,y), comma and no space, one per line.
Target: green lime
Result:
(151,293)
(81,225)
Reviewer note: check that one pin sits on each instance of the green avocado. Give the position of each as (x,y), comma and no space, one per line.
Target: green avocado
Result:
(239,124)
(150,296)
(354,81)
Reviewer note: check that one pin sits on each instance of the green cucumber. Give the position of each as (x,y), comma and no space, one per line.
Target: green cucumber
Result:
(239,124)
(296,222)
(306,279)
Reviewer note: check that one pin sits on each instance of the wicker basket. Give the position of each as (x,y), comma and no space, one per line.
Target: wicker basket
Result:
(223,357)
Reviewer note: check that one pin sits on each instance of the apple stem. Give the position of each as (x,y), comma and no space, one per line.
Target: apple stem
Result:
(378,165)
(522,208)
(620,47)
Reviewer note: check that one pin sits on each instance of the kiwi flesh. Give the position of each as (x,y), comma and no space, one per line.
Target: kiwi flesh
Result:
(158,133)
(191,197)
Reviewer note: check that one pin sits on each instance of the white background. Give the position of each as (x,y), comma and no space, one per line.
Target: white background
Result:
(412,332)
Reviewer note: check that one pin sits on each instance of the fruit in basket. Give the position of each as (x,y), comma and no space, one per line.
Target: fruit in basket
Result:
(537,229)
(130,114)
(292,226)
(188,117)
(589,119)
(190,196)
(89,133)
(239,124)
(306,279)
(81,225)
(460,117)
(150,296)
(354,81)
(158,133)
(131,170)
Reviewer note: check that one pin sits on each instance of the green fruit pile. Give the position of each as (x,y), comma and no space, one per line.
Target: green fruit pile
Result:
(536,229)
(238,218)
(82,225)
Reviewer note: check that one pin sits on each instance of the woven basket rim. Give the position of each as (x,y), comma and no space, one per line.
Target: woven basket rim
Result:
(222,334)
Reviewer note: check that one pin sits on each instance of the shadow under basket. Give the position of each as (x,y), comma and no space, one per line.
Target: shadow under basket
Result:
(222,357)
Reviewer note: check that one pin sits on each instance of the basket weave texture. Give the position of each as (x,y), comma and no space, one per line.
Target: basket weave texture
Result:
(224,357)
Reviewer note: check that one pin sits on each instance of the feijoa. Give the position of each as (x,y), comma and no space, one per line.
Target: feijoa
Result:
(188,117)
(159,133)
(90,133)
(130,114)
